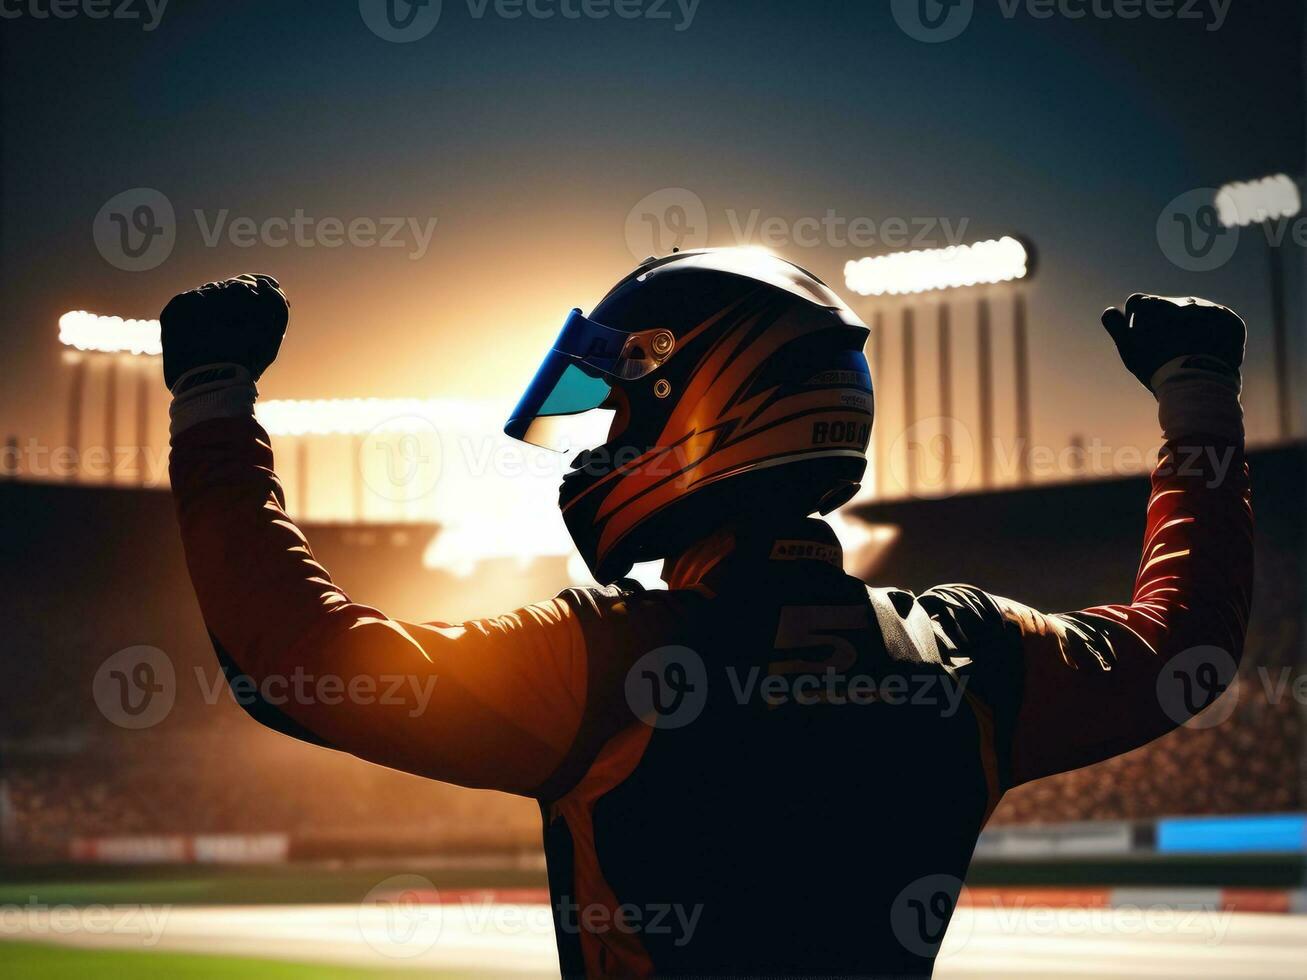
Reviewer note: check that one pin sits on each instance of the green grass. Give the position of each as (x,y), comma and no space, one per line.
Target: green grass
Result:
(33,961)
(289,885)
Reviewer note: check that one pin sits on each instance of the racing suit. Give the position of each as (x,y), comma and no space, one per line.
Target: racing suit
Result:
(766,767)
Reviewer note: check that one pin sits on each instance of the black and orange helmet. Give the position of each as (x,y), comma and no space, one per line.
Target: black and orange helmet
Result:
(740,392)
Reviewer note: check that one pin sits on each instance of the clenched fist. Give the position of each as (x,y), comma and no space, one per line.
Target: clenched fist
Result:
(1155,330)
(238,321)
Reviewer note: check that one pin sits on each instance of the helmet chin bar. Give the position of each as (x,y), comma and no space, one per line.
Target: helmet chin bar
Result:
(778,496)
(837,497)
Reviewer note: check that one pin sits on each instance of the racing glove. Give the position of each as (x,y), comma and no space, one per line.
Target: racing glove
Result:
(217,342)
(1188,352)
(1156,330)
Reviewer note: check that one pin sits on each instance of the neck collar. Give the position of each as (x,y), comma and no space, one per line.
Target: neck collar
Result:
(730,551)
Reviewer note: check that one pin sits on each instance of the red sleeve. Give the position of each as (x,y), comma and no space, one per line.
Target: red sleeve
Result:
(1109,679)
(493,703)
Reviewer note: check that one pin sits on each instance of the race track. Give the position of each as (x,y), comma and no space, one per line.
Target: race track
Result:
(508,939)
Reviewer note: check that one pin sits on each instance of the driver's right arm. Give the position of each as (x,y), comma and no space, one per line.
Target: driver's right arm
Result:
(492,703)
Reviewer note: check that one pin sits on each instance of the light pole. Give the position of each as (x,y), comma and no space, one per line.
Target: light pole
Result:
(76,391)
(110,411)
(985,390)
(145,378)
(1004,260)
(878,365)
(1021,358)
(944,343)
(1265,202)
(910,389)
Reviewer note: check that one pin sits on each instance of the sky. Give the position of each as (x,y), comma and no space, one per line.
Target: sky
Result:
(498,170)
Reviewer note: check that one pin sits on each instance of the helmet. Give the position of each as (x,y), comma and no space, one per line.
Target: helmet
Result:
(740,392)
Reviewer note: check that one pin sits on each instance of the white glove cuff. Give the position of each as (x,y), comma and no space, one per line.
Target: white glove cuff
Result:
(1194,401)
(214,391)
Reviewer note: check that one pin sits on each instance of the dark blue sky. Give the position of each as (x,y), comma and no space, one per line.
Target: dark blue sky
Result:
(530,141)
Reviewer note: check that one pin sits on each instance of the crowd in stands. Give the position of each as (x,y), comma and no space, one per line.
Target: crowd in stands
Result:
(1247,763)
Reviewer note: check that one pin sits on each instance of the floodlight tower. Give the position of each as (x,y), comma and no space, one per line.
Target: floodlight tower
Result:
(1265,202)
(109,339)
(362,420)
(909,376)
(1005,260)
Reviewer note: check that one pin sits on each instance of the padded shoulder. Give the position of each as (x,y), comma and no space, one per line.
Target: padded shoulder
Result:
(965,617)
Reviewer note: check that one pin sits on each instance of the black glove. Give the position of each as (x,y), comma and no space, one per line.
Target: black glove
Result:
(1155,330)
(239,321)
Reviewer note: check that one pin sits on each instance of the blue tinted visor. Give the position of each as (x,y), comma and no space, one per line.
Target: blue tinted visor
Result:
(576,376)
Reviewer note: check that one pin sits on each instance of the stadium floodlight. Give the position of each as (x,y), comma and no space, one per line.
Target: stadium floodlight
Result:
(1264,201)
(112,335)
(957,266)
(1247,202)
(109,334)
(986,263)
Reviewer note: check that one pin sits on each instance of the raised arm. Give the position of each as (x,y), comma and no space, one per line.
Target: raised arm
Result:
(1076,688)
(1109,679)
(492,703)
